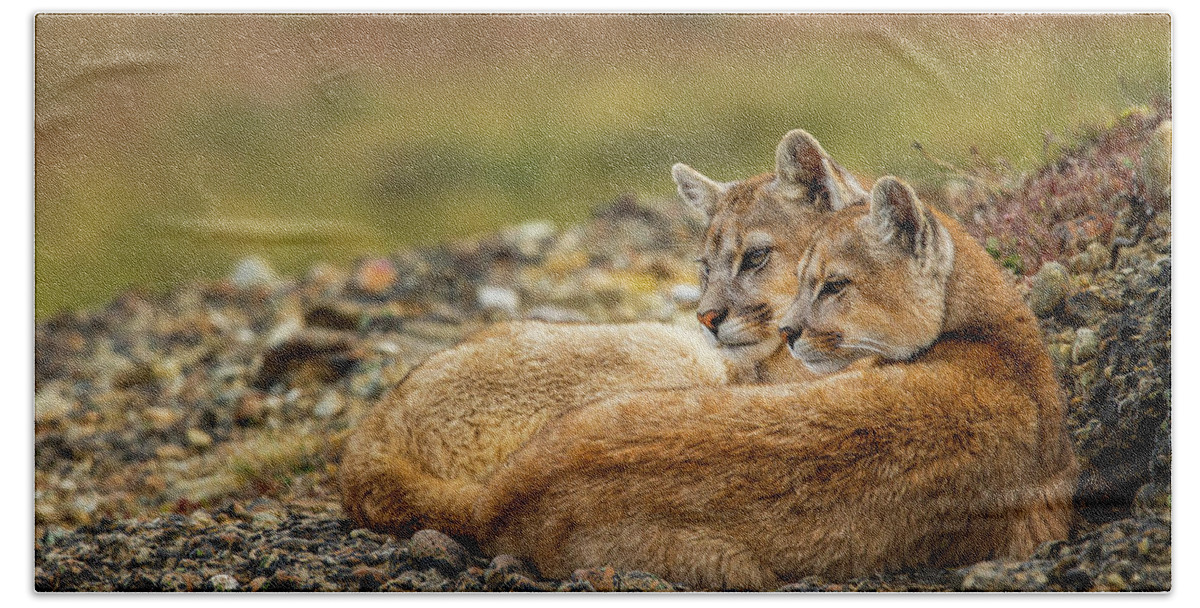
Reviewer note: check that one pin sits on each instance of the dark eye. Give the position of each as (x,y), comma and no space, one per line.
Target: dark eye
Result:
(832,287)
(755,259)
(703,269)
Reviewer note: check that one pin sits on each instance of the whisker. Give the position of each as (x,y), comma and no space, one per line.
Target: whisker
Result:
(873,342)
(865,345)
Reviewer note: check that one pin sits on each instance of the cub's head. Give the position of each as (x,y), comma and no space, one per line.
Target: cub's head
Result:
(757,229)
(872,283)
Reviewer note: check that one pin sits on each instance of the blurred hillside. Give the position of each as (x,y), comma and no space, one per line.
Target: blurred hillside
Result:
(168,147)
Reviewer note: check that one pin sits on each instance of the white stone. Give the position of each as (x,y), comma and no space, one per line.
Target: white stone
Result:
(252,271)
(329,406)
(285,330)
(529,238)
(498,298)
(224,582)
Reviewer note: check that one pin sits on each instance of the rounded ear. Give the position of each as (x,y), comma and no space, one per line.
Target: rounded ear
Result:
(902,220)
(804,172)
(896,211)
(696,190)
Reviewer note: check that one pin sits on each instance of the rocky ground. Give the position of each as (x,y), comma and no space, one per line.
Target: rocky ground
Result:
(189,441)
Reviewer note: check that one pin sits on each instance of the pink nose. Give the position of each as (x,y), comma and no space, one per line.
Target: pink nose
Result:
(711,319)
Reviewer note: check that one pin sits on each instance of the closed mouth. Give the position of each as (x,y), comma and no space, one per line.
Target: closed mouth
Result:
(741,344)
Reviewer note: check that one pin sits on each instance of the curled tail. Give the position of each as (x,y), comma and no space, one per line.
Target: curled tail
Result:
(394,494)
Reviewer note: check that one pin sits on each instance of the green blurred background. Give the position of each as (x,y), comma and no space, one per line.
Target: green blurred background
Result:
(170,146)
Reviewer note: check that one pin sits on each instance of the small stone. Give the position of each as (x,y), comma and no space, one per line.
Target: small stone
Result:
(991,576)
(375,277)
(251,410)
(367,381)
(265,519)
(162,418)
(199,439)
(806,584)
(44,511)
(1086,345)
(83,506)
(498,299)
(644,581)
(1114,582)
(466,582)
(223,582)
(575,586)
(1085,376)
(51,405)
(564,261)
(1075,579)
(1060,354)
(369,579)
(180,581)
(512,581)
(1099,254)
(433,330)
(284,331)
(432,549)
(329,406)
(1080,263)
(530,238)
(289,580)
(601,579)
(252,271)
(201,519)
(370,535)
(1049,289)
(417,580)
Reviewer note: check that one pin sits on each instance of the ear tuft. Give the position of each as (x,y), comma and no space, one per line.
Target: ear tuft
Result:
(697,190)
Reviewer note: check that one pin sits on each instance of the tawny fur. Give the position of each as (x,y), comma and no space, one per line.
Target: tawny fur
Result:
(957,454)
(417,462)
(418,459)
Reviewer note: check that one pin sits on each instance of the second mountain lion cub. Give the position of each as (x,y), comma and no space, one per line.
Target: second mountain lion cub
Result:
(950,449)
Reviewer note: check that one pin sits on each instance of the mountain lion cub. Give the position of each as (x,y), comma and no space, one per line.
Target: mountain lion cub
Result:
(418,458)
(949,448)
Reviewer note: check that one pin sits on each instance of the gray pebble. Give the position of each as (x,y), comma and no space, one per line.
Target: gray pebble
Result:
(432,549)
(500,299)
(530,238)
(223,582)
(329,406)
(1049,289)
(1085,346)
